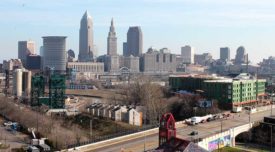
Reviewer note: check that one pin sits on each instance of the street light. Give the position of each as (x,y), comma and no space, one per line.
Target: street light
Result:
(145,132)
(272,97)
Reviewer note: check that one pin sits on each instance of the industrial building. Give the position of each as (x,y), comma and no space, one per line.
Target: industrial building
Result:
(21,83)
(241,90)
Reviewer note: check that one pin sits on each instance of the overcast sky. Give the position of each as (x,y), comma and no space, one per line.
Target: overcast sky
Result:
(206,25)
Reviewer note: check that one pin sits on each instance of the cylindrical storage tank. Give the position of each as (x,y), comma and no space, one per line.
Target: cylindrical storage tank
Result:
(54,53)
(27,83)
(17,83)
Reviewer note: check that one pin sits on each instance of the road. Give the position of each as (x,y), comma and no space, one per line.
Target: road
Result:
(136,144)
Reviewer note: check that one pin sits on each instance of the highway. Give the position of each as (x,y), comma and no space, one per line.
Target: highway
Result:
(136,143)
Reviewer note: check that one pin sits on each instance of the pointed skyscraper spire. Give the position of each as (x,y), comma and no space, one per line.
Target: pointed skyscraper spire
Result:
(112,40)
(86,50)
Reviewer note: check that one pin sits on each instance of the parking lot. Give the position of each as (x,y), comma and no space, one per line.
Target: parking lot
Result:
(11,138)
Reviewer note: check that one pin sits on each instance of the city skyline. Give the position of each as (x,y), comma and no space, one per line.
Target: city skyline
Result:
(185,23)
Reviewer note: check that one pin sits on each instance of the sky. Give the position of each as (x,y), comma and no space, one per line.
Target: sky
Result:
(206,25)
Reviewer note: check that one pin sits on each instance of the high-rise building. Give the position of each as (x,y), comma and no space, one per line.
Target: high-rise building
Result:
(134,42)
(155,61)
(203,59)
(86,44)
(241,56)
(225,54)
(25,48)
(33,62)
(112,40)
(54,53)
(187,53)
(124,48)
(132,63)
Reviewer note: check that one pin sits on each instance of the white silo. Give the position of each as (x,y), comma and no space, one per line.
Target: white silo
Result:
(17,82)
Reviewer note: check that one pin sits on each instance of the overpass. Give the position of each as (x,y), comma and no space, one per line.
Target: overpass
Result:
(211,135)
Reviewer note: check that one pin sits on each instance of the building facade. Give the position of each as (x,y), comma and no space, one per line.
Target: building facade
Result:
(12,64)
(203,59)
(112,40)
(86,39)
(25,48)
(134,42)
(132,63)
(241,90)
(33,62)
(187,53)
(158,62)
(54,53)
(225,54)
(91,67)
(112,63)
(241,56)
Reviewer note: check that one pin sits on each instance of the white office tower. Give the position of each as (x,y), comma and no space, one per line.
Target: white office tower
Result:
(187,54)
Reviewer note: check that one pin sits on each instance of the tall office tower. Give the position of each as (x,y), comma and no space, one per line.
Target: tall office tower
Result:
(54,53)
(225,54)
(187,53)
(86,39)
(112,40)
(25,48)
(241,56)
(124,48)
(134,41)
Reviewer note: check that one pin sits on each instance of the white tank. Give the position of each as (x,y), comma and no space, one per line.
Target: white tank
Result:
(27,75)
(17,82)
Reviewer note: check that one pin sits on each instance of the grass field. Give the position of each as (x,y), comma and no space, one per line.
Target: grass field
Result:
(230,149)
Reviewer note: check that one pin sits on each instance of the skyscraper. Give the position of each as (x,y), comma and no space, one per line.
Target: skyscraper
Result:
(225,54)
(112,40)
(86,47)
(187,53)
(124,48)
(54,53)
(25,48)
(241,56)
(134,41)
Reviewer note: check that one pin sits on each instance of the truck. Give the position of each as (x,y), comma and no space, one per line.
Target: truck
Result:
(236,109)
(196,120)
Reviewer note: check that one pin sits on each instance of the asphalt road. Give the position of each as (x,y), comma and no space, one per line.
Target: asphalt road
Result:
(204,130)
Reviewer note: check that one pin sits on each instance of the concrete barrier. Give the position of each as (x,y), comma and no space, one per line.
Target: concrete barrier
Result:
(150,131)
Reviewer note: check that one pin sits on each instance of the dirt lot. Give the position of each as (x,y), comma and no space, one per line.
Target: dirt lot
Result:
(11,138)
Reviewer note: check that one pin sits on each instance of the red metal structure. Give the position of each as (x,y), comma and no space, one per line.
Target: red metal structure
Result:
(167,129)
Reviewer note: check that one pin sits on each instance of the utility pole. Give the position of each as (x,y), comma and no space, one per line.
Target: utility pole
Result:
(271,148)
(145,131)
(91,129)
(272,97)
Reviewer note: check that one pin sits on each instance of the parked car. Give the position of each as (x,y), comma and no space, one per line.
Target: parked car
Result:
(193,133)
